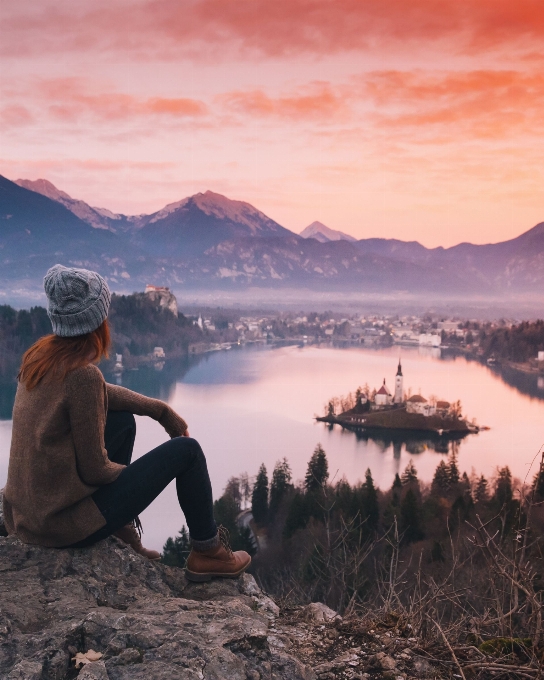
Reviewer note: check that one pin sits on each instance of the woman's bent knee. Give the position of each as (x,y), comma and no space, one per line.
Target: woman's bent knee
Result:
(187,449)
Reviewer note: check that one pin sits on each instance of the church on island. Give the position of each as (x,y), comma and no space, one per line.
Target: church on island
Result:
(383,400)
(383,410)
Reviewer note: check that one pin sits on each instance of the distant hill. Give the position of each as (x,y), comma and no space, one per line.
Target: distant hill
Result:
(324,234)
(208,241)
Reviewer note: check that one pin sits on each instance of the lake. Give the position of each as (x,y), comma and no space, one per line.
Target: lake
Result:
(257,404)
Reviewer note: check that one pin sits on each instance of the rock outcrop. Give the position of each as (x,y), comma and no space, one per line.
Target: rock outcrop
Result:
(145,619)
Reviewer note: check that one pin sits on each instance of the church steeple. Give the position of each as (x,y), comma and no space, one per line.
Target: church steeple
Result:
(398,386)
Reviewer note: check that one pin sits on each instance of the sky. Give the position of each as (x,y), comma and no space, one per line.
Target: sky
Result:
(410,119)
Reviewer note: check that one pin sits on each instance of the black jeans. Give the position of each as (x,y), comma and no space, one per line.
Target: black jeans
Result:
(141,482)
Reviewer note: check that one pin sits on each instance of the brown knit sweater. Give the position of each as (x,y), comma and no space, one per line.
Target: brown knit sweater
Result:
(57,458)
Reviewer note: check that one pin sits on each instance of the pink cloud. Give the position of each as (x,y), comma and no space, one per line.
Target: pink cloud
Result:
(285,28)
(68,99)
(15,115)
(316,102)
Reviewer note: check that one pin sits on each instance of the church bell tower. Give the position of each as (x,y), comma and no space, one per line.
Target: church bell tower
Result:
(398,386)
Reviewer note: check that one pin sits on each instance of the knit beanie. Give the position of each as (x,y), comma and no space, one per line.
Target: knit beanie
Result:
(78,300)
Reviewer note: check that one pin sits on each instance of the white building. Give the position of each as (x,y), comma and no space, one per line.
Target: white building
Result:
(418,404)
(383,396)
(158,353)
(430,340)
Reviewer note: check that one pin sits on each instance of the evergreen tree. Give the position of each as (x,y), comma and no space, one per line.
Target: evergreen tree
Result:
(259,497)
(481,493)
(441,479)
(503,488)
(538,484)
(466,488)
(371,508)
(409,476)
(318,470)
(176,550)
(281,481)
(396,490)
(298,515)
(410,522)
(453,469)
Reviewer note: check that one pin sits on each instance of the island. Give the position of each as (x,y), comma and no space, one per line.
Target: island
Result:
(381,410)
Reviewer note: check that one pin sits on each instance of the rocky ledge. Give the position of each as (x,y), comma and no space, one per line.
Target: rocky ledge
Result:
(142,619)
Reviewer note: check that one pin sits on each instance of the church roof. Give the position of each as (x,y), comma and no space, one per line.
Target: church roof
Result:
(417,399)
(442,404)
(383,390)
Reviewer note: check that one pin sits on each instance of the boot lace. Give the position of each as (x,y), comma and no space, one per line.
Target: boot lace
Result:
(224,537)
(138,526)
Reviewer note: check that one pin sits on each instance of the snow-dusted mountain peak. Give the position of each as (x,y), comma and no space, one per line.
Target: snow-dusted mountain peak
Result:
(99,218)
(223,208)
(324,234)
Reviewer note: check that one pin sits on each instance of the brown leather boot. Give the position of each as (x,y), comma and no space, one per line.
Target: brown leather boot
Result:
(129,535)
(218,562)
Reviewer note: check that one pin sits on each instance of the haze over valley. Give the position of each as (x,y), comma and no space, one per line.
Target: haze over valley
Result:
(208,242)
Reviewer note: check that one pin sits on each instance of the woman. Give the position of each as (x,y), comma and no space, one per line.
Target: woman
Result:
(70,478)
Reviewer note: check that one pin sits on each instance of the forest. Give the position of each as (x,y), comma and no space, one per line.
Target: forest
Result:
(464,551)
(518,344)
(137,324)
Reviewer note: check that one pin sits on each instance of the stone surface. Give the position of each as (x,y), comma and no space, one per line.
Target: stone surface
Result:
(3,531)
(383,661)
(319,612)
(145,618)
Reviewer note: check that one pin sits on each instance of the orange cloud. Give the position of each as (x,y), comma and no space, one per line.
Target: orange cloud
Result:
(483,103)
(68,101)
(281,28)
(321,102)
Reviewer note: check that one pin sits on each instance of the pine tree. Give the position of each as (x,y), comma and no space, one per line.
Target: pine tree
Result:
(371,508)
(318,470)
(396,490)
(297,516)
(441,479)
(259,497)
(410,523)
(453,468)
(538,484)
(281,481)
(176,550)
(481,493)
(503,487)
(409,476)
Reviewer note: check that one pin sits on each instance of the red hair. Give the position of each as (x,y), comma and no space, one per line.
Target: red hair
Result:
(55,357)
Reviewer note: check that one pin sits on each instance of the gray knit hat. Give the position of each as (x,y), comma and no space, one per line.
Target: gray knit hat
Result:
(78,300)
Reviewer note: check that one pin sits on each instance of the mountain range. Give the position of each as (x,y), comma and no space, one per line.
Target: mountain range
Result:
(208,241)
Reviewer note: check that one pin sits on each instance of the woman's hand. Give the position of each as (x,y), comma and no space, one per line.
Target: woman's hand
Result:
(186,434)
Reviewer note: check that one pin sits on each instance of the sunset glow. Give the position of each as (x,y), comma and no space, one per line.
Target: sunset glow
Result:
(413,119)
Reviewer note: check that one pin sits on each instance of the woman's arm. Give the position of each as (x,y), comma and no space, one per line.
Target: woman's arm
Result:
(121,399)
(86,402)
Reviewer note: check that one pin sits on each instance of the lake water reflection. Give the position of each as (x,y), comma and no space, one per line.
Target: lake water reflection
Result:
(254,405)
